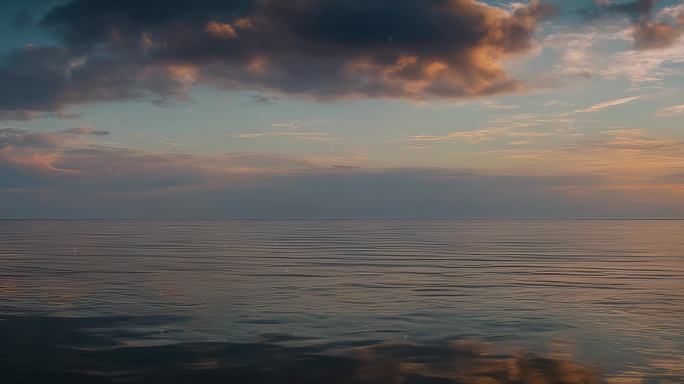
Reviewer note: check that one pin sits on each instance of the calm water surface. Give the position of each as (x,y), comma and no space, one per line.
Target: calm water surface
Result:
(342,301)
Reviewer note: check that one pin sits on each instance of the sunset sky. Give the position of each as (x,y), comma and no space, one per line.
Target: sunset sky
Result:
(342,109)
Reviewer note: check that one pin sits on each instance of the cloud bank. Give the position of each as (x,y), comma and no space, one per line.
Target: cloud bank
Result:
(62,174)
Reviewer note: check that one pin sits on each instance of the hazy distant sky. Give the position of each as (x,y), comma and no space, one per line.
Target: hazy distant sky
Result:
(341,108)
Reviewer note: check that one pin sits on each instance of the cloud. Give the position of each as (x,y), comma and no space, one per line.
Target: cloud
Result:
(323,49)
(583,54)
(652,34)
(674,13)
(470,136)
(640,66)
(220,30)
(497,106)
(59,174)
(638,139)
(321,136)
(647,33)
(261,100)
(671,111)
(24,138)
(297,123)
(42,156)
(46,79)
(618,156)
(531,120)
(85,131)
(610,103)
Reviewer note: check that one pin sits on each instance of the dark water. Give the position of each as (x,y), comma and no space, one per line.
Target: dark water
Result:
(342,301)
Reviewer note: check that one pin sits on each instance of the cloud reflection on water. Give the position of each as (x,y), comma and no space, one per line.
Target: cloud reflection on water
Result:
(75,350)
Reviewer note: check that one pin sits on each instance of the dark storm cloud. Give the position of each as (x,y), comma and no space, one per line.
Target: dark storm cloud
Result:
(48,78)
(646,32)
(125,50)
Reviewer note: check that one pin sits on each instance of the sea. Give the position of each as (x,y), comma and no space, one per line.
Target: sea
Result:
(342,301)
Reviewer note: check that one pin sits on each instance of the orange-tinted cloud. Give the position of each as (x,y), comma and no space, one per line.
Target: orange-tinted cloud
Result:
(322,49)
(647,32)
(653,34)
(220,30)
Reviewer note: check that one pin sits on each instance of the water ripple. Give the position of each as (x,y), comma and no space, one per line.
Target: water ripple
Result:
(610,292)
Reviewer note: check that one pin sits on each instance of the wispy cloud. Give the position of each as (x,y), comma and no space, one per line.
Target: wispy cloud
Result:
(618,154)
(643,66)
(469,136)
(30,154)
(638,139)
(594,52)
(85,131)
(295,124)
(498,106)
(610,103)
(261,100)
(519,142)
(292,135)
(555,103)
(671,111)
(548,121)
(169,142)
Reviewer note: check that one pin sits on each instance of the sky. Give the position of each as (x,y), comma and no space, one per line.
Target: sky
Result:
(341,109)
